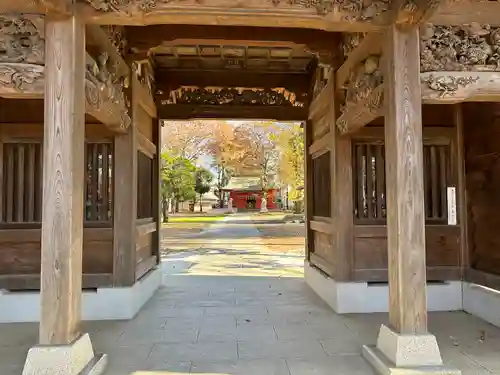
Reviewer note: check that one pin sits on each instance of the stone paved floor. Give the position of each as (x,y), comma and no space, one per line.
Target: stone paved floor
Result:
(232,305)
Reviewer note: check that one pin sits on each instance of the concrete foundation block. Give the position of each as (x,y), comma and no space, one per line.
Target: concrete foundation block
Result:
(398,354)
(77,358)
(383,366)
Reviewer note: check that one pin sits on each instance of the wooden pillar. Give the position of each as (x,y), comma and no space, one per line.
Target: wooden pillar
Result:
(308,188)
(157,190)
(405,188)
(341,194)
(63,181)
(405,343)
(125,202)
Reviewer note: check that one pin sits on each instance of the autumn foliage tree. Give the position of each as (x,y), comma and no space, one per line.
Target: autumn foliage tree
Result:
(290,143)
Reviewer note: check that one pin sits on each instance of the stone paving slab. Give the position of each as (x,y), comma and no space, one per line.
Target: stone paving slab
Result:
(233,310)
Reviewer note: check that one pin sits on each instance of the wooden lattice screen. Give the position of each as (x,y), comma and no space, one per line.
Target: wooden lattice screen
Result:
(370,185)
(22,183)
(98,181)
(321,185)
(145,186)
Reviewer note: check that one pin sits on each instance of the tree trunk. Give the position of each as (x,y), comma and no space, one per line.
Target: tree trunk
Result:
(176,205)
(201,204)
(164,209)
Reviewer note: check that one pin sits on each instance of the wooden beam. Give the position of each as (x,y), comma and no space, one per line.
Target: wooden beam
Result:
(142,39)
(404,179)
(125,201)
(457,87)
(458,13)
(63,175)
(187,111)
(358,115)
(167,80)
(370,45)
(259,13)
(98,39)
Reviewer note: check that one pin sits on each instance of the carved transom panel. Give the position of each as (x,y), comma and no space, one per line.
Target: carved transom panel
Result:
(351,10)
(21,39)
(459,48)
(234,97)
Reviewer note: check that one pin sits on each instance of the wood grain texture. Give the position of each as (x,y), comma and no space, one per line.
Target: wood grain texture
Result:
(370,248)
(157,209)
(63,177)
(125,202)
(21,251)
(404,178)
(483,183)
(341,193)
(308,188)
(461,188)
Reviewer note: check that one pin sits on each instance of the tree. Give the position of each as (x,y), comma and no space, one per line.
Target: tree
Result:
(186,139)
(290,143)
(178,181)
(203,178)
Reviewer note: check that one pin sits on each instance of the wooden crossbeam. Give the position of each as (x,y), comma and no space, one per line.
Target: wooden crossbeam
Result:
(370,45)
(98,39)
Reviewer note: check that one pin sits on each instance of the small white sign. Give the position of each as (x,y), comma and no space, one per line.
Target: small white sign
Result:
(451,195)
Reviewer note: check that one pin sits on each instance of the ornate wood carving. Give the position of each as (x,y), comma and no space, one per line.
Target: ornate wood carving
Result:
(22,39)
(458,48)
(104,94)
(234,97)
(355,115)
(18,79)
(364,78)
(351,10)
(118,37)
(350,41)
(455,87)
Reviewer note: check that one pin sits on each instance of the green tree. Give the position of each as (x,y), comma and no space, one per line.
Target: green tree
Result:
(178,181)
(203,179)
(290,143)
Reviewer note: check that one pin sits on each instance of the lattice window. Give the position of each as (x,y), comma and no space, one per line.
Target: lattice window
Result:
(370,185)
(98,181)
(145,186)
(321,185)
(22,183)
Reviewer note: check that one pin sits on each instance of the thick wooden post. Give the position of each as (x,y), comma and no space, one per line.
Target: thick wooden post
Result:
(405,188)
(308,189)
(63,179)
(405,343)
(125,204)
(341,194)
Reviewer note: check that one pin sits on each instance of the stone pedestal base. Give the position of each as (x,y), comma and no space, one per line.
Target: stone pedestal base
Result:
(397,354)
(77,358)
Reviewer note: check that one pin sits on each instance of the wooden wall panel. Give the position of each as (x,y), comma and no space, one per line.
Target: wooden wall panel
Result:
(20,251)
(482,165)
(323,254)
(320,127)
(370,250)
(144,123)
